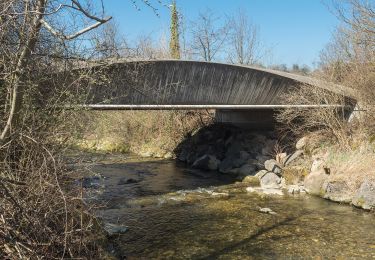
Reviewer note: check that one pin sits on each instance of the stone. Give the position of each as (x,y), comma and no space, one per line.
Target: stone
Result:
(365,195)
(252,181)
(266,210)
(207,162)
(292,157)
(146,154)
(124,181)
(273,166)
(270,180)
(261,173)
(233,160)
(314,182)
(113,229)
(247,169)
(338,191)
(265,191)
(301,143)
(262,159)
(168,155)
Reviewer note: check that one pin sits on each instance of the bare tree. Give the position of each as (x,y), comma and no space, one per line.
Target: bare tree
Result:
(208,36)
(109,43)
(35,15)
(244,40)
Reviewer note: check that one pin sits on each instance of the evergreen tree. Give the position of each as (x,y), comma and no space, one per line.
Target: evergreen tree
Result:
(175,41)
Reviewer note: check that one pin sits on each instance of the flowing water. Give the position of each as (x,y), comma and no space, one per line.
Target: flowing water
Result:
(171,212)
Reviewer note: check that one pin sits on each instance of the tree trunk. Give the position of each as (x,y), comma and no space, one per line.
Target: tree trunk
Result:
(17,84)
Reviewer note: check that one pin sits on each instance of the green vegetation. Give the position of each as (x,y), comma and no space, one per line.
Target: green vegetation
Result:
(175,41)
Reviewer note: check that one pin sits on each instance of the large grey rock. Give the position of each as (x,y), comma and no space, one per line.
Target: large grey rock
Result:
(314,182)
(365,195)
(183,155)
(262,158)
(247,169)
(273,166)
(292,157)
(261,173)
(207,162)
(270,180)
(233,160)
(301,143)
(338,191)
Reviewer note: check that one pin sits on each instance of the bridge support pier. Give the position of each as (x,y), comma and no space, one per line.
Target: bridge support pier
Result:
(259,119)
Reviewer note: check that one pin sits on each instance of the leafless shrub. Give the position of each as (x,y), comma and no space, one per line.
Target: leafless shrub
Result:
(301,121)
(350,58)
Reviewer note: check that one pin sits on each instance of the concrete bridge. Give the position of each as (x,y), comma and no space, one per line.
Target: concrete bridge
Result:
(239,94)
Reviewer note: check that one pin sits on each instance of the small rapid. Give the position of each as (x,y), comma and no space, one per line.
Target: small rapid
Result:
(162,210)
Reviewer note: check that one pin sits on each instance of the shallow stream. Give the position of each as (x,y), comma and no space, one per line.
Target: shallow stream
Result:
(171,212)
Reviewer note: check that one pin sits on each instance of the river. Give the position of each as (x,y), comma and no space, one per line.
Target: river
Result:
(171,212)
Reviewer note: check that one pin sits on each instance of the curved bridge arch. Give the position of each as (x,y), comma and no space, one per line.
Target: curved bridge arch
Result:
(181,83)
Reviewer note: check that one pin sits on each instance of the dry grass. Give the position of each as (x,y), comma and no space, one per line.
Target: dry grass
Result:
(155,132)
(353,166)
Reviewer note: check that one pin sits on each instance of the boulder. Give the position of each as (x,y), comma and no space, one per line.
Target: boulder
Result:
(207,162)
(365,195)
(168,155)
(273,166)
(301,143)
(261,173)
(262,159)
(292,157)
(314,182)
(233,160)
(247,169)
(270,180)
(338,191)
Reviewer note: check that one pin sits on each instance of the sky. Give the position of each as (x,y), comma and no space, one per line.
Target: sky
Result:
(295,30)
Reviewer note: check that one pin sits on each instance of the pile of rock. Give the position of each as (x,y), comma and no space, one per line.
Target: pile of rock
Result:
(245,154)
(228,149)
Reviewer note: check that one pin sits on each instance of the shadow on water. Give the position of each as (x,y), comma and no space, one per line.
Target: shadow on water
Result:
(248,242)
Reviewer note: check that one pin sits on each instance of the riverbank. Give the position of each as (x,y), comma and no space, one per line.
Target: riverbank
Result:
(313,165)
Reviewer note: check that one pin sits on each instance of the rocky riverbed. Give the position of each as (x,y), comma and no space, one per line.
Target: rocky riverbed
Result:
(258,158)
(159,209)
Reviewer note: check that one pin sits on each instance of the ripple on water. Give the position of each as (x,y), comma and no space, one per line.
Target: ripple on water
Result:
(171,213)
